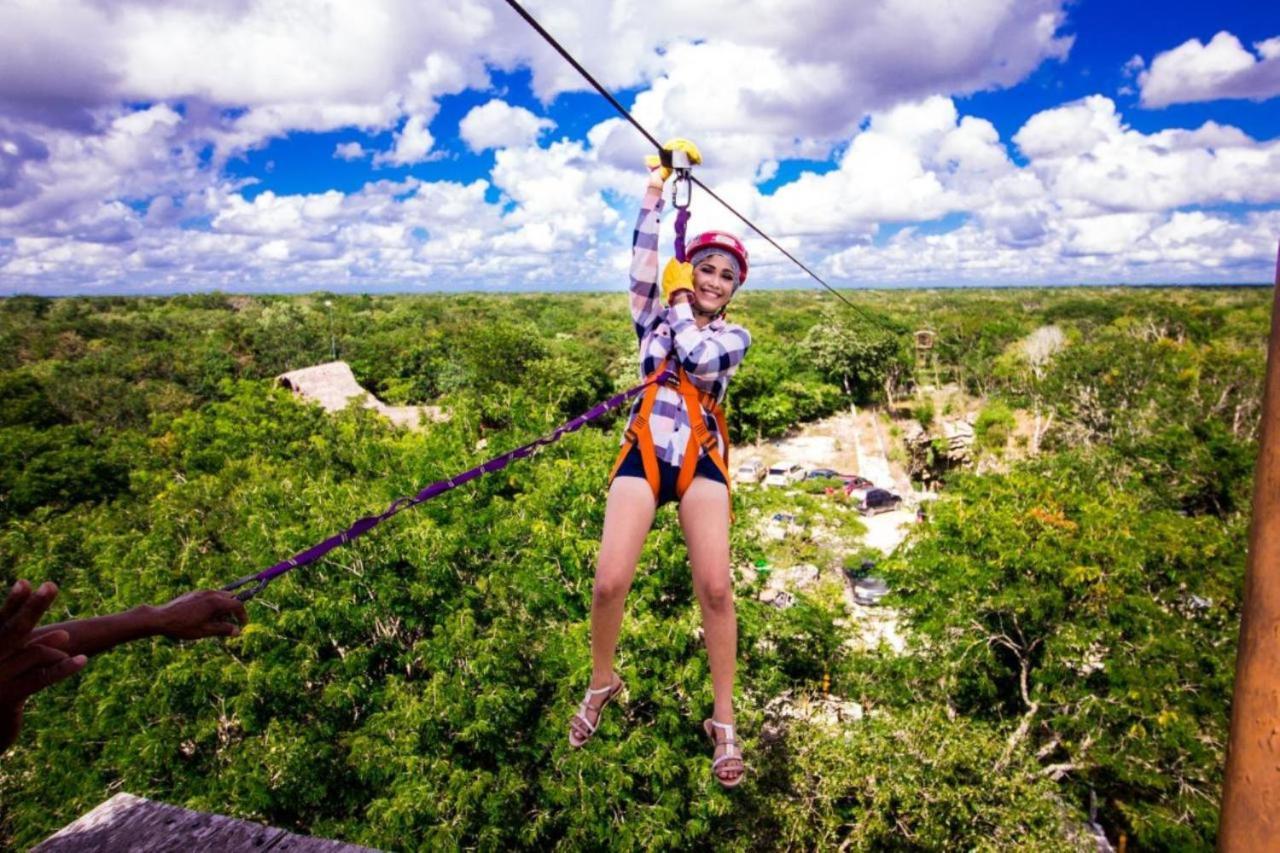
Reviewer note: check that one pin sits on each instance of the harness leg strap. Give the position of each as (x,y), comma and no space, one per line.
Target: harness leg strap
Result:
(699,437)
(639,435)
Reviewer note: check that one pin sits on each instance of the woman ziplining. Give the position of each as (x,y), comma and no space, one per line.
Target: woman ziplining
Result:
(675,449)
(688,353)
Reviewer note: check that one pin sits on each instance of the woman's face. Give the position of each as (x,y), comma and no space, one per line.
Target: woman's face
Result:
(713,280)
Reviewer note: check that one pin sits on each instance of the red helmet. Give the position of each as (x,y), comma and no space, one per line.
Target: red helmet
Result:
(720,240)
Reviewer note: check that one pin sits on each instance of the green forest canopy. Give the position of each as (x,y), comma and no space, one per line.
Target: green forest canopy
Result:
(1072,616)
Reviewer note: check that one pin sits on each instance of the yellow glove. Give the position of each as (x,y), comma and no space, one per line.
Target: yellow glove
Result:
(653,161)
(676,277)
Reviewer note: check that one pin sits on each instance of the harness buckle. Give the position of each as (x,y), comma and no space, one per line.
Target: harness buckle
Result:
(639,425)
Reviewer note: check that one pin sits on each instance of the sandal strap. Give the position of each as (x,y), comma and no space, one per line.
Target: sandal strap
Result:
(586,706)
(730,738)
(729,744)
(590,728)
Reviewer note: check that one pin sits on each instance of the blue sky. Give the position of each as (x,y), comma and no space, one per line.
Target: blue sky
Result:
(371,147)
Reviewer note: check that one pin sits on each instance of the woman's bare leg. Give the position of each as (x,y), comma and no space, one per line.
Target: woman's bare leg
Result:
(704,516)
(628,516)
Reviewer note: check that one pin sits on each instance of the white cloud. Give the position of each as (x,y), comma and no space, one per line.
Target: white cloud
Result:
(93,191)
(885,49)
(70,179)
(413,144)
(557,196)
(916,162)
(350,151)
(1093,163)
(1223,68)
(497,124)
(1181,248)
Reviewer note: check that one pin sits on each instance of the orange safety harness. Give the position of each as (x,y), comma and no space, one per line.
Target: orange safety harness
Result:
(696,401)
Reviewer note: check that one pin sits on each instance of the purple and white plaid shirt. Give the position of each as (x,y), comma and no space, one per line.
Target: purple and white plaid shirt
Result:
(709,355)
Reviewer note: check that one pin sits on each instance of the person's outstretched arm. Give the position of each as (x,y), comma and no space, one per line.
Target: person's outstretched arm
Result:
(192,616)
(646,305)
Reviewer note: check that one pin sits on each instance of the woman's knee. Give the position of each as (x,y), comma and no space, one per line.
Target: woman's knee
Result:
(716,594)
(610,587)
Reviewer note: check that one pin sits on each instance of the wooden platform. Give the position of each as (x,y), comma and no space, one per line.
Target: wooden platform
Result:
(127,823)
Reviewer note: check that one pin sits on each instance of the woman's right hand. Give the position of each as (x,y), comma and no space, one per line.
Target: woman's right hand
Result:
(659,173)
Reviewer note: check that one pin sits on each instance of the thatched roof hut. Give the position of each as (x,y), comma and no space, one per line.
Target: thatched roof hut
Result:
(332,385)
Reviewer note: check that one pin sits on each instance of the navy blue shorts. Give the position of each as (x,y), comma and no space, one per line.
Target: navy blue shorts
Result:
(633,466)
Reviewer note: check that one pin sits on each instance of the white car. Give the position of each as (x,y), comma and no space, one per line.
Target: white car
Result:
(751,471)
(869,591)
(784,474)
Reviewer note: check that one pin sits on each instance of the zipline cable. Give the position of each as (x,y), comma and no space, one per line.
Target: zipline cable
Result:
(772,242)
(608,96)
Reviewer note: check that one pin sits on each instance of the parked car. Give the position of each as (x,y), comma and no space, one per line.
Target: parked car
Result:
(869,591)
(853,481)
(751,471)
(782,525)
(863,570)
(822,473)
(784,474)
(876,501)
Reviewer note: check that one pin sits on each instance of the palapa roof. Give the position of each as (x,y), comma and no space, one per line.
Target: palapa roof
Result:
(333,385)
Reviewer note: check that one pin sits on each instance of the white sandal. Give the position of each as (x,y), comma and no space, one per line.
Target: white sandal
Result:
(609,691)
(731,752)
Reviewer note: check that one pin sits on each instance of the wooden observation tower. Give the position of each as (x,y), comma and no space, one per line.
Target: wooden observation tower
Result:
(926,360)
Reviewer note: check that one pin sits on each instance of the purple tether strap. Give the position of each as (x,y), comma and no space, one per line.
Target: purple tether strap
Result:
(682,224)
(364,525)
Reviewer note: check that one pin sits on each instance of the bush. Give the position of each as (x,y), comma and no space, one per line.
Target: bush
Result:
(993,427)
(923,412)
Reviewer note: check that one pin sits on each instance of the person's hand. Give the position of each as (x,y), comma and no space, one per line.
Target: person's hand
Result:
(203,613)
(677,282)
(28,664)
(659,172)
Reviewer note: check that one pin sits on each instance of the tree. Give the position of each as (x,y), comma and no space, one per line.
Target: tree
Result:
(1063,606)
(866,361)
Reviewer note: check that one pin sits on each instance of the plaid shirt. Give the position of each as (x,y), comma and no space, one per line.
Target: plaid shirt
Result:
(709,355)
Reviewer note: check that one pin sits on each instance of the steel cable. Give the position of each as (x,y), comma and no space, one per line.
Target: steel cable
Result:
(607,95)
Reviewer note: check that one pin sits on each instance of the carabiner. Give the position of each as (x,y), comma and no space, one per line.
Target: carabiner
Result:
(684,180)
(677,160)
(245,581)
